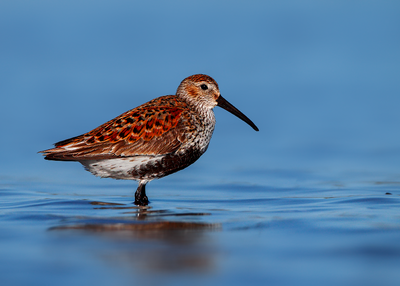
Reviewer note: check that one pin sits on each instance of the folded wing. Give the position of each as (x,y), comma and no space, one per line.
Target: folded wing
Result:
(147,130)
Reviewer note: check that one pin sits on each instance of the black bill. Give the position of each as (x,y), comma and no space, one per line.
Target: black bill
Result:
(222,102)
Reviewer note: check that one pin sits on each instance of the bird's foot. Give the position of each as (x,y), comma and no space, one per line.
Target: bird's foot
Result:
(141,201)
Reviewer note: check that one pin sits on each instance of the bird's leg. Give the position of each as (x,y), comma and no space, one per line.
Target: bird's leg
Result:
(140,195)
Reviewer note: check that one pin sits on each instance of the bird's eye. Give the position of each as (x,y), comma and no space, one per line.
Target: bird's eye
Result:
(204,86)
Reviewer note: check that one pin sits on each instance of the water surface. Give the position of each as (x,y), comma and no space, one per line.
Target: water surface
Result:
(311,199)
(229,234)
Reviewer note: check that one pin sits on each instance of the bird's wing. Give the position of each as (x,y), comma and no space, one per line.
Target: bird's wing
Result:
(145,130)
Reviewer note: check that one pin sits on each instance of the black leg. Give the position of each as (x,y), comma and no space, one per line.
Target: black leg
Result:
(140,195)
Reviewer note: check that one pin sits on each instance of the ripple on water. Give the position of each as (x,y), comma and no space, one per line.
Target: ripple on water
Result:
(200,231)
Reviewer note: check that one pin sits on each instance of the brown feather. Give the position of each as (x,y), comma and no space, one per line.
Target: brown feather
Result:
(149,129)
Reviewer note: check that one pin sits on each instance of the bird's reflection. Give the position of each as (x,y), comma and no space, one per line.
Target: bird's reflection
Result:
(153,240)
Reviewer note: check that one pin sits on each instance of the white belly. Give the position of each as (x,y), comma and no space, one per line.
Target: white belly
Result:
(120,168)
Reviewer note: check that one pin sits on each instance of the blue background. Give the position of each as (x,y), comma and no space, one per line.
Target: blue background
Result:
(319,78)
(301,202)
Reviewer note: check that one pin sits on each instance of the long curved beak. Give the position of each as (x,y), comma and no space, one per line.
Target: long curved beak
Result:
(222,102)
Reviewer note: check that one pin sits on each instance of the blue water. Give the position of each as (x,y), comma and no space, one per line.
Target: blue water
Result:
(228,233)
(311,199)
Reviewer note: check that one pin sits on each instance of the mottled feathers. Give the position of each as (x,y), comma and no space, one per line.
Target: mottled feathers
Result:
(154,128)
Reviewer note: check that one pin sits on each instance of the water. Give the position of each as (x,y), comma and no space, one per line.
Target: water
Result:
(311,199)
(228,233)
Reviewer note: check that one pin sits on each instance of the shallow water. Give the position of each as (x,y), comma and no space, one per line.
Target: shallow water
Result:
(230,234)
(311,199)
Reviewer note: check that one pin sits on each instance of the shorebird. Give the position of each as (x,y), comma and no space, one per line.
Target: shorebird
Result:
(153,140)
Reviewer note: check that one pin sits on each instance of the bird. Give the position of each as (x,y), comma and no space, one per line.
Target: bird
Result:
(153,140)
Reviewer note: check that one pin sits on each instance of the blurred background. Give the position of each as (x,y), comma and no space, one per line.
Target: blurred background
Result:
(319,78)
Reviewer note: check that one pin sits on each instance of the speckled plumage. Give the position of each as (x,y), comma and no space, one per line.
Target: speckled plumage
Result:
(152,140)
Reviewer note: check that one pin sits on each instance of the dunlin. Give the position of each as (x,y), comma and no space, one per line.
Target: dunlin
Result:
(153,140)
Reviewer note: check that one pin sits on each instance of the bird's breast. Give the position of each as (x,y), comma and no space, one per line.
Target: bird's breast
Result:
(201,127)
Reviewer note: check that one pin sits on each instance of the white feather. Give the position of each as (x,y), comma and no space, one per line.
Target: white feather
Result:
(120,168)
